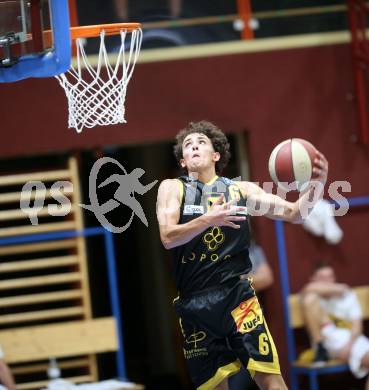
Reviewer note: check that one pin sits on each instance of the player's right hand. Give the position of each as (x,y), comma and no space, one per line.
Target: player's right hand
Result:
(224,214)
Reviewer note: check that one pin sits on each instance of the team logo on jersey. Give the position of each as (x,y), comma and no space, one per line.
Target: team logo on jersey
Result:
(247,315)
(195,338)
(211,198)
(193,348)
(214,238)
(191,209)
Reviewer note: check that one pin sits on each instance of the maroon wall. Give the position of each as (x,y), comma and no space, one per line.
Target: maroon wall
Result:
(275,95)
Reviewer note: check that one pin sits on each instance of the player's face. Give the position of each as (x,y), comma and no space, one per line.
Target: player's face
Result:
(198,153)
(325,274)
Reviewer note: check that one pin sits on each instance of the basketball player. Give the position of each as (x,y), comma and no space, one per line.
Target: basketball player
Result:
(203,220)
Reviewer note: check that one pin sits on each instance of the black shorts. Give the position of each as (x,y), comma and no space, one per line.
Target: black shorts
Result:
(223,328)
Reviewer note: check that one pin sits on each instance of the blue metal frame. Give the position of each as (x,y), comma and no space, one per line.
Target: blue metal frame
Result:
(51,63)
(283,267)
(112,275)
(114,299)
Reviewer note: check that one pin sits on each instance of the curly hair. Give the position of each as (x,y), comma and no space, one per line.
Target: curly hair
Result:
(216,136)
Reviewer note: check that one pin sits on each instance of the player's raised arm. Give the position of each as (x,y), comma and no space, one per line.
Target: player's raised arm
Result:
(273,206)
(173,234)
(261,203)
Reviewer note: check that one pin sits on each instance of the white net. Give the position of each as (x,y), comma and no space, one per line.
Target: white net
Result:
(97,96)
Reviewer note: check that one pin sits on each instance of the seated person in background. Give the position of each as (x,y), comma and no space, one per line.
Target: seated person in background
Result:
(332,316)
(6,377)
(262,276)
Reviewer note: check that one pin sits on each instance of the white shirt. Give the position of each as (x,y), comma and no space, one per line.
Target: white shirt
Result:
(345,307)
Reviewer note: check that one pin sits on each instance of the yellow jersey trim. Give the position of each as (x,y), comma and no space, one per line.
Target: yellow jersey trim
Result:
(213,180)
(181,326)
(269,368)
(221,374)
(274,349)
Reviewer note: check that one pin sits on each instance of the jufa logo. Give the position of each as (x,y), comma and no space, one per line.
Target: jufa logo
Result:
(248,315)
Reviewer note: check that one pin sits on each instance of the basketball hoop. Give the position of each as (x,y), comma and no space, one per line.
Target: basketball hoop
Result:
(97,96)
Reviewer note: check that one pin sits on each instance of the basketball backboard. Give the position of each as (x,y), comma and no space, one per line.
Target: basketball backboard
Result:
(34,39)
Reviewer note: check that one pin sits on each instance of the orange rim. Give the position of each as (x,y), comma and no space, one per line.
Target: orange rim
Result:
(95,30)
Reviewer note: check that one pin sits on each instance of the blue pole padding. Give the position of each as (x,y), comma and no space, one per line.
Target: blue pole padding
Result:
(283,271)
(313,379)
(114,299)
(354,201)
(62,54)
(359,201)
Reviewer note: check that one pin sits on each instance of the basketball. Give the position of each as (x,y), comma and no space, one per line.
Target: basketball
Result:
(292,161)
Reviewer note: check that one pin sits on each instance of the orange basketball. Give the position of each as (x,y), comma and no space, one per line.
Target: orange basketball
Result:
(292,161)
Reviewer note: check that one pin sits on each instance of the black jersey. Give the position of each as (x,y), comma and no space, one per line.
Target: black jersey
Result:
(217,254)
